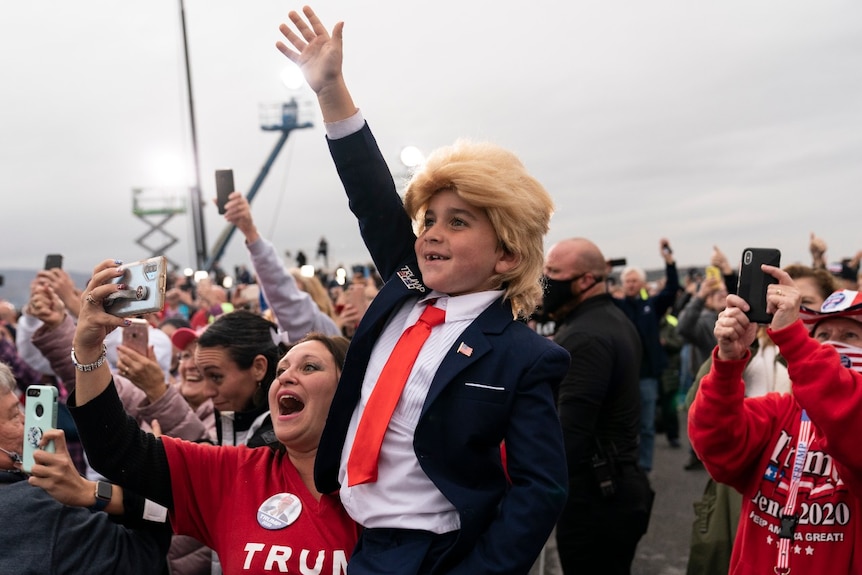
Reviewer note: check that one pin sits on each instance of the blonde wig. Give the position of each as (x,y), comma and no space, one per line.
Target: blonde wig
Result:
(491,178)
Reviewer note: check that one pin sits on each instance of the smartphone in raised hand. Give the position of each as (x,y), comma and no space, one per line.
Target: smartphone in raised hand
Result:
(40,415)
(753,281)
(224,188)
(53,261)
(145,288)
(713,273)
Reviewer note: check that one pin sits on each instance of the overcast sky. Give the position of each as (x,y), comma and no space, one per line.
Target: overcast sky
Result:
(735,123)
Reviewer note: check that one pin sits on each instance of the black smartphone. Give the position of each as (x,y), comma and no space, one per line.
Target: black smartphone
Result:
(224,188)
(53,261)
(753,281)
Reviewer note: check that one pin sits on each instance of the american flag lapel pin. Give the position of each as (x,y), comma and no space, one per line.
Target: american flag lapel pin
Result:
(465,349)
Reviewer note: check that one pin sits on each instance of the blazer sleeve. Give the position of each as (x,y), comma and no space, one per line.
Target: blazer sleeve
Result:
(385,227)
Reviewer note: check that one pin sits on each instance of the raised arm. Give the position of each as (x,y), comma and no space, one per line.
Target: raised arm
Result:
(374,200)
(126,455)
(295,311)
(94,323)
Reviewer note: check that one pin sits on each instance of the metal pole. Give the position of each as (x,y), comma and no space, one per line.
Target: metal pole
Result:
(196,198)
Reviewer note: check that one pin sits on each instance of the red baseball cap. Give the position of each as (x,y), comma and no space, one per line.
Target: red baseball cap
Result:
(182,337)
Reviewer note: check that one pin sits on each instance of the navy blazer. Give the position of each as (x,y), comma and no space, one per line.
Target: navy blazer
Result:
(503,390)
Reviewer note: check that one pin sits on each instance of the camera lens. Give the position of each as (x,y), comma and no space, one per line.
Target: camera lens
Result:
(39,410)
(747,257)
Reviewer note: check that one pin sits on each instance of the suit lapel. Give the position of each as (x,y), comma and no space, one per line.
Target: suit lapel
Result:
(401,286)
(469,347)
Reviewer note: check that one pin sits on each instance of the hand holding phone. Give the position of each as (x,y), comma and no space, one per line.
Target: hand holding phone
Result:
(666,250)
(224,188)
(753,281)
(713,273)
(136,336)
(40,415)
(145,288)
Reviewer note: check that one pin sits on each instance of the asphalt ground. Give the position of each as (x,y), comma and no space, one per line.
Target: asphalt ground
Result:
(663,550)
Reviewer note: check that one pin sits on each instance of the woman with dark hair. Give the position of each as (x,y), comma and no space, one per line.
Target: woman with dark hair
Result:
(237,356)
(256,508)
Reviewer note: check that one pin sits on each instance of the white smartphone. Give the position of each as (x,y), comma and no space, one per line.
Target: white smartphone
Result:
(145,288)
(40,415)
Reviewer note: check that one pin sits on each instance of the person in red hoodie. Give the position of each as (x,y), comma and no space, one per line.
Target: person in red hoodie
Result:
(794,457)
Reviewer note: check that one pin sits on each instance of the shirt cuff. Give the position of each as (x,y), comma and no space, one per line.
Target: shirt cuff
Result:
(345,127)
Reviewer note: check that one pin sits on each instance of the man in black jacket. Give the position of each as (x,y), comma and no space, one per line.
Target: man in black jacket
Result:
(610,499)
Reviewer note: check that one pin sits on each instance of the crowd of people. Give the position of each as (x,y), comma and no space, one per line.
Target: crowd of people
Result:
(454,404)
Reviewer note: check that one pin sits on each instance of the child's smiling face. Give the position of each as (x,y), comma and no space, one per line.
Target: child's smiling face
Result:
(457,247)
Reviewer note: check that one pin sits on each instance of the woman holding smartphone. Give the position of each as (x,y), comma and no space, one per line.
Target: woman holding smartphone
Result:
(257,508)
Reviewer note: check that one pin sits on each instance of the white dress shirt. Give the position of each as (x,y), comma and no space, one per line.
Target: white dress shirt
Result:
(403,496)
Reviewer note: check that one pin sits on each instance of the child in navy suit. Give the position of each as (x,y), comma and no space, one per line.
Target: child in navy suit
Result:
(443,500)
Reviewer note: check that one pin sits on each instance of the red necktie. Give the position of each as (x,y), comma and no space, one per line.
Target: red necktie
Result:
(362,463)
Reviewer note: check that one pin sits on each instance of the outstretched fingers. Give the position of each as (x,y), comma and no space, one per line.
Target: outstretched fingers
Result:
(317,28)
(309,31)
(295,40)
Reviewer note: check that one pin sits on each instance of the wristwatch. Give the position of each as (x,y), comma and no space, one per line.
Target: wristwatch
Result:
(104,492)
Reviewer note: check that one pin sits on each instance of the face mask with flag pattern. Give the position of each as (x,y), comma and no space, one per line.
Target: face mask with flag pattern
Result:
(851,356)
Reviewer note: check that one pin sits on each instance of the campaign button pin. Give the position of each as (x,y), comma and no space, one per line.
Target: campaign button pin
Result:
(279,511)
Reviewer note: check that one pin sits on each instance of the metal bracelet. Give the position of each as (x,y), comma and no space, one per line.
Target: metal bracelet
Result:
(85,367)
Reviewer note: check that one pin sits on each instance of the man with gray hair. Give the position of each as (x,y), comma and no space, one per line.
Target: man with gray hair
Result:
(646,311)
(53,538)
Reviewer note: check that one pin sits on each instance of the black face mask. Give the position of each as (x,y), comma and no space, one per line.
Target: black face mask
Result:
(557,293)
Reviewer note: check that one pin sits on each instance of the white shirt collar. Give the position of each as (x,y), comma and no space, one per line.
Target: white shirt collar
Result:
(462,307)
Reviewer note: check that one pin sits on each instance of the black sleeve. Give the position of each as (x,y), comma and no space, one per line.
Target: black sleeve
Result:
(730,282)
(373,198)
(93,540)
(120,450)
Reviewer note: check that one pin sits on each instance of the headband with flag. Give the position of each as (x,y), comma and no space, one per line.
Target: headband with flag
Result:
(851,356)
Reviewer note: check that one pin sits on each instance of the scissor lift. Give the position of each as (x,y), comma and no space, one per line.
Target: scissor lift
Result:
(156,207)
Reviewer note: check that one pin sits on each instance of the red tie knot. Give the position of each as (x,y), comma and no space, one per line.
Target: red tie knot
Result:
(433,315)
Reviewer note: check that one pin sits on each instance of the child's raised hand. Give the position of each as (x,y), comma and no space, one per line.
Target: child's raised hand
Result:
(317,54)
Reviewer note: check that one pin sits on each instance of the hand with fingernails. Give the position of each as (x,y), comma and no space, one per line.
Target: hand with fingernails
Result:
(94,323)
(733,330)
